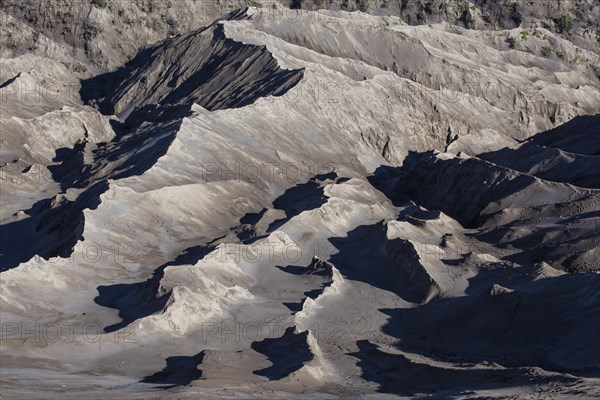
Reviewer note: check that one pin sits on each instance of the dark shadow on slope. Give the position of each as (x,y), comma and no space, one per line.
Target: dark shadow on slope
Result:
(138,152)
(94,90)
(150,126)
(133,300)
(545,323)
(317,268)
(302,197)
(52,229)
(312,294)
(550,164)
(216,77)
(295,307)
(581,135)
(71,164)
(568,255)
(246,229)
(387,179)
(205,67)
(552,233)
(9,81)
(98,91)
(139,141)
(140,299)
(460,188)
(367,255)
(288,353)
(56,224)
(132,152)
(415,213)
(397,374)
(179,371)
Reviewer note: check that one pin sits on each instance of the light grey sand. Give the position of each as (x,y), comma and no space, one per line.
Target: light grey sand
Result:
(292,204)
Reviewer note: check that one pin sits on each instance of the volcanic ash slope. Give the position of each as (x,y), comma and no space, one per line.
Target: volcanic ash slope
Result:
(314,203)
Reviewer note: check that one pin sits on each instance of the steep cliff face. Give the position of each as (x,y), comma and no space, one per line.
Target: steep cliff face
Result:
(202,67)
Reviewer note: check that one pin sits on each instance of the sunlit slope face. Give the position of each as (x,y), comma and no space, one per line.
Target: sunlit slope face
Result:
(289,201)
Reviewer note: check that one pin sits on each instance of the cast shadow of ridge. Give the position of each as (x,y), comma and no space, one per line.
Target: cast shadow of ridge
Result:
(138,300)
(569,153)
(288,353)
(511,329)
(302,197)
(432,182)
(52,229)
(246,230)
(179,371)
(580,135)
(367,255)
(397,374)
(319,269)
